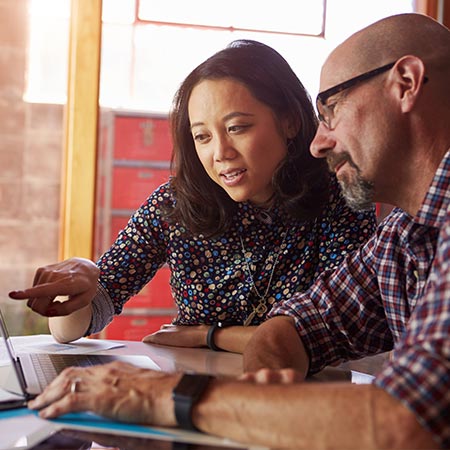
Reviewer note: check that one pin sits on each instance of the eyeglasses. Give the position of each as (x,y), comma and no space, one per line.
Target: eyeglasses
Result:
(327,114)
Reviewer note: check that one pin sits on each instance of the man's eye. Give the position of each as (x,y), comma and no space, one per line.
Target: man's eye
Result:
(331,107)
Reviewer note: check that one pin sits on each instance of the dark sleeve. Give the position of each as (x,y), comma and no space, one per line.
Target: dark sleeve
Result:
(138,252)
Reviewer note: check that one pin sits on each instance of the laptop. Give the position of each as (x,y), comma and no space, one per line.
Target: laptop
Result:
(27,374)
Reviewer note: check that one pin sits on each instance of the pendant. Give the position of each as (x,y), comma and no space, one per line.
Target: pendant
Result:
(249,318)
(260,309)
(250,266)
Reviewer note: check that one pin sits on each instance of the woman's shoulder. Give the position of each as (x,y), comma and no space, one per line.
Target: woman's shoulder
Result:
(163,194)
(158,203)
(335,191)
(336,203)
(338,212)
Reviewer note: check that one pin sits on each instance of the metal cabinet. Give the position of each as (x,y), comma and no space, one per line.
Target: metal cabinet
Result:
(134,159)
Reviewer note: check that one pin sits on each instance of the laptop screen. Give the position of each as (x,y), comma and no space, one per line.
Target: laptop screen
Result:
(6,340)
(11,377)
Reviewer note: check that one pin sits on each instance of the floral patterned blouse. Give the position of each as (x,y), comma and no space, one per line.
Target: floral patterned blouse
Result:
(265,256)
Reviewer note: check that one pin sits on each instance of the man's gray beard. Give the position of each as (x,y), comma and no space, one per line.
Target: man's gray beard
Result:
(358,194)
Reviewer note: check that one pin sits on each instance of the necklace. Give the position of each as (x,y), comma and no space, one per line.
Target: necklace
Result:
(272,259)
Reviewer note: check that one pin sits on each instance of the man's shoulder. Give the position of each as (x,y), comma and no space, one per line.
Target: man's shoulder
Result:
(395,221)
(445,229)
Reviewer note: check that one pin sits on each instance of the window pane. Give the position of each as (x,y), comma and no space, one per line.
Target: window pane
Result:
(284,16)
(118,11)
(33,54)
(47,55)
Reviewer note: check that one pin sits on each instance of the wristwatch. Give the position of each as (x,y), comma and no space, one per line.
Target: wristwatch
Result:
(210,336)
(185,394)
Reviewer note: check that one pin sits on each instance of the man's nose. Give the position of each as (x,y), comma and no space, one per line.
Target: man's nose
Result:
(322,142)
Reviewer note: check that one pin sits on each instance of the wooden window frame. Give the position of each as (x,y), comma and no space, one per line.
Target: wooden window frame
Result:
(80,130)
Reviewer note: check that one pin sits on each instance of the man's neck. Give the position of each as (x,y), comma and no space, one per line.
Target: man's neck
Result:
(421,175)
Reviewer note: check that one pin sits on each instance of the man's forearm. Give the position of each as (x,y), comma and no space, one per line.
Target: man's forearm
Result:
(309,415)
(276,345)
(233,339)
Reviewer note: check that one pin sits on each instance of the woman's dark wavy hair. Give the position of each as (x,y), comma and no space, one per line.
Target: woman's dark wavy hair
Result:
(300,182)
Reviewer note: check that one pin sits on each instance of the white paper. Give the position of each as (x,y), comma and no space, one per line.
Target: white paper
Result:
(6,396)
(43,343)
(361,378)
(23,432)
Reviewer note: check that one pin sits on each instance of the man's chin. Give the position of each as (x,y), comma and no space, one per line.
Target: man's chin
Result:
(357,205)
(357,197)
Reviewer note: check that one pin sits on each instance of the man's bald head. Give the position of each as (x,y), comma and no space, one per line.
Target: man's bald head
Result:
(396,125)
(385,41)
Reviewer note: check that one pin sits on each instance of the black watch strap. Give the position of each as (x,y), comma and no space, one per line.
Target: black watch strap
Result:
(210,336)
(185,394)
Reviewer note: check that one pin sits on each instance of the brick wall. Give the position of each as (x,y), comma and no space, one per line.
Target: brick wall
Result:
(31,140)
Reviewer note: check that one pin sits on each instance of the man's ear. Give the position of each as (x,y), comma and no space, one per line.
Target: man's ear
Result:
(409,77)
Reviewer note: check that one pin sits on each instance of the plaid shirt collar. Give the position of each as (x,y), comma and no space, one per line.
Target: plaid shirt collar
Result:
(437,200)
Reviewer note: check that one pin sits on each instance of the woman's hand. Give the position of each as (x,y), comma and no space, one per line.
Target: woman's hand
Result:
(231,339)
(118,390)
(75,278)
(272,376)
(179,335)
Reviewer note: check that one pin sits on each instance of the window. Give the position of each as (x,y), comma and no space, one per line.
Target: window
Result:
(150,46)
(306,17)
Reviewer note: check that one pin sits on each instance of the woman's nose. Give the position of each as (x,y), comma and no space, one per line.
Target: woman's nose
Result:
(224,149)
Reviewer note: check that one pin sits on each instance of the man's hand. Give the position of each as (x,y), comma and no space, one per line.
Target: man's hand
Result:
(276,345)
(75,278)
(117,390)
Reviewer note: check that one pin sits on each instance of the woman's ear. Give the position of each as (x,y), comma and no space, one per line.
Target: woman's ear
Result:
(409,77)
(291,127)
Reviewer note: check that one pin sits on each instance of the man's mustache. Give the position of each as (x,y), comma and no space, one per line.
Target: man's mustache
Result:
(334,161)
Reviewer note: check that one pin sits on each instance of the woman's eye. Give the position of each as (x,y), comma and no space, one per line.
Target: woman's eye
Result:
(199,137)
(237,128)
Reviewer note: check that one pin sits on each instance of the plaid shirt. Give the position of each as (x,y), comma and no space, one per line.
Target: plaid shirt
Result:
(390,295)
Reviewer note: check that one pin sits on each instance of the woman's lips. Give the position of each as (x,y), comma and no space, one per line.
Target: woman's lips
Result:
(233,177)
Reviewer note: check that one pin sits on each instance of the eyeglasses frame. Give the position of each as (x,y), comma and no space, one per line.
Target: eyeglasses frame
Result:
(325,95)
(322,97)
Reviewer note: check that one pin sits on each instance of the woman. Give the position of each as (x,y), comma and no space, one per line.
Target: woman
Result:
(249,218)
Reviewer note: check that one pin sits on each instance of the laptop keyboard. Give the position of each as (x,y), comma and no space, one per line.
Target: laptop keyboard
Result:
(49,365)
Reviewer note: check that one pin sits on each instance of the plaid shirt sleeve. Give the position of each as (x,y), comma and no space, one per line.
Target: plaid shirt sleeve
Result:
(418,374)
(333,326)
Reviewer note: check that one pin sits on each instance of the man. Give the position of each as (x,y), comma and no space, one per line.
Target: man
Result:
(385,112)
(385,115)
